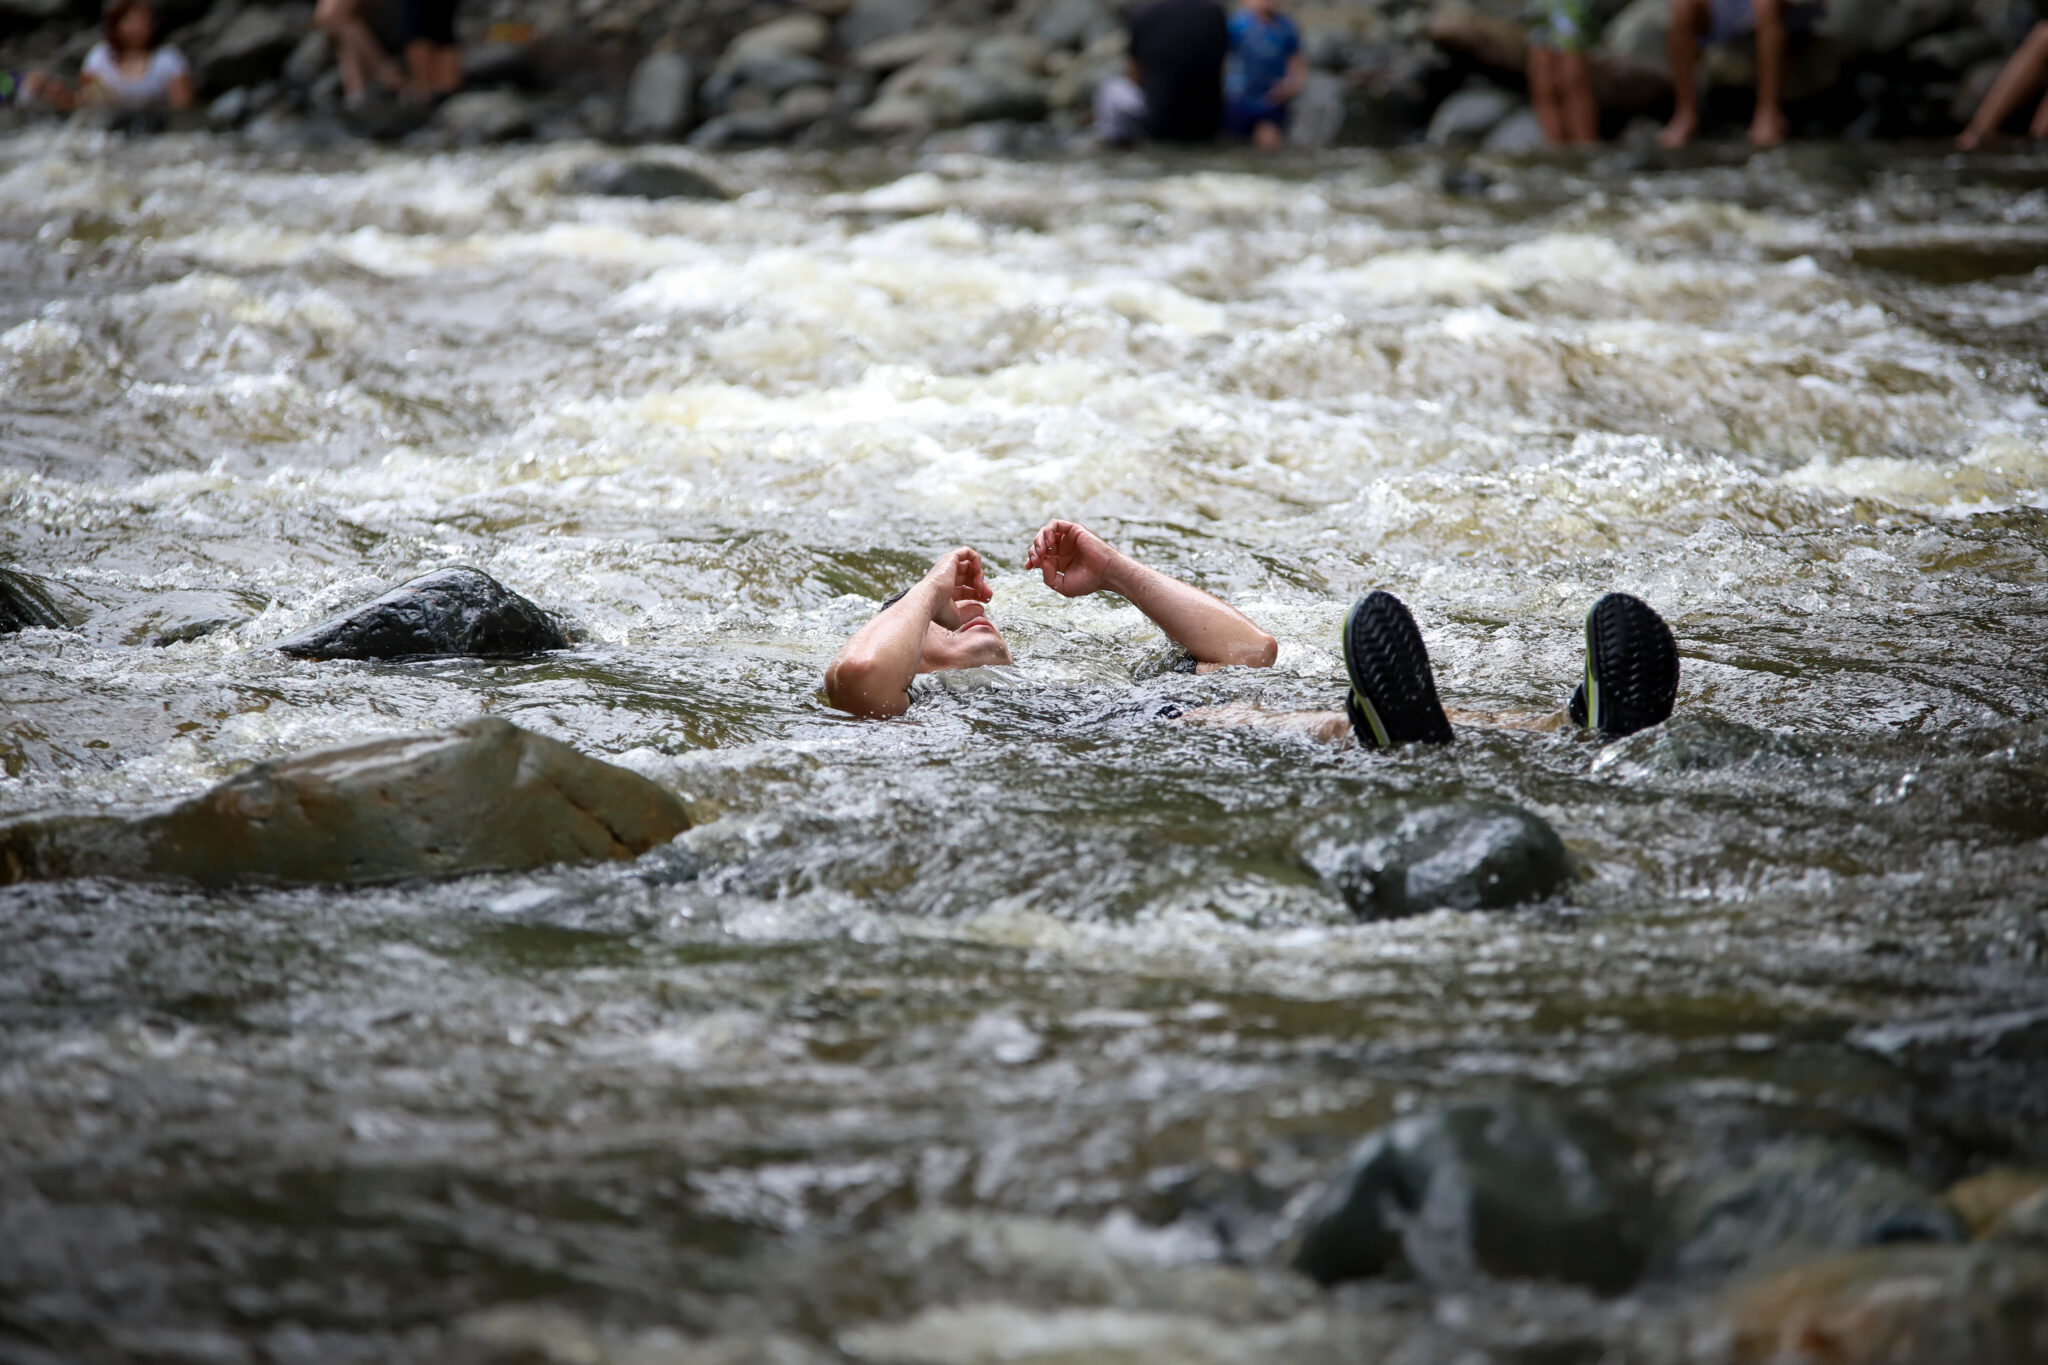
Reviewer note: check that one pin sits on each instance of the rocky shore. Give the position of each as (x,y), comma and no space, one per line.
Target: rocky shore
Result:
(727,73)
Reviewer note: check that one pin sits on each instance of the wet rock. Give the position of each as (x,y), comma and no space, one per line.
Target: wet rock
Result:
(894,115)
(1983,1200)
(869,20)
(767,74)
(253,47)
(1953,52)
(485,116)
(1640,33)
(1390,100)
(230,109)
(450,612)
(172,618)
(1388,862)
(643,180)
(481,795)
(658,96)
(1318,112)
(966,94)
(25,604)
(2025,1223)
(485,65)
(1519,134)
(310,57)
(1483,39)
(1468,116)
(1885,26)
(1977,1077)
(1803,1197)
(1920,1305)
(1688,744)
(1513,1188)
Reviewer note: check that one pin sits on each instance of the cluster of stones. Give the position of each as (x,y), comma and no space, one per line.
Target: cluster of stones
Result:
(721,73)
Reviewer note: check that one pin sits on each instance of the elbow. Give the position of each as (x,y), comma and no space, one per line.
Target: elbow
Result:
(1265,649)
(851,685)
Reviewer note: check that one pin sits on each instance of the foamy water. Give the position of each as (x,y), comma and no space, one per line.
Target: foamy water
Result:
(915,1046)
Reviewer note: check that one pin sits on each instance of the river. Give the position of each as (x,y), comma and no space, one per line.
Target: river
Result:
(997,1033)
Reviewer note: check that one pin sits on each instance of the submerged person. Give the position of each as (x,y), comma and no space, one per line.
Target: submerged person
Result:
(940,623)
(1560,80)
(128,69)
(1172,86)
(1630,679)
(1266,71)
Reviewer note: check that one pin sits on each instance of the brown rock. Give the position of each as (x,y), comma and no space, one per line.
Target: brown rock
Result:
(1984,1199)
(477,796)
(1500,44)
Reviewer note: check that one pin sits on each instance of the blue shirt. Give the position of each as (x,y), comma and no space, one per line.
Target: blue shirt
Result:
(1260,50)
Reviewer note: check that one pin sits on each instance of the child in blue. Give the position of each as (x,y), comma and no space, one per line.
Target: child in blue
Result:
(1266,71)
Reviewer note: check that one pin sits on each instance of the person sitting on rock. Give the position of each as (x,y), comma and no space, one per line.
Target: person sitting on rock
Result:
(1560,84)
(1727,21)
(127,69)
(1172,86)
(941,623)
(2019,78)
(357,52)
(1265,72)
(1630,681)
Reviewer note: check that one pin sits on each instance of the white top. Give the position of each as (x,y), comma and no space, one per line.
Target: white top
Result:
(153,86)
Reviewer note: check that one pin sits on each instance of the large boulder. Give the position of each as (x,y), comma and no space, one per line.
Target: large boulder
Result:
(253,47)
(1515,1188)
(1391,861)
(1914,1305)
(1803,1197)
(450,612)
(658,97)
(481,795)
(25,604)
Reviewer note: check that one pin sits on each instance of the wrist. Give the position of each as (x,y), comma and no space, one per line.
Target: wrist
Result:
(1121,574)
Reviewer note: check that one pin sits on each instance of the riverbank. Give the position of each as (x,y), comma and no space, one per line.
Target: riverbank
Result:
(721,74)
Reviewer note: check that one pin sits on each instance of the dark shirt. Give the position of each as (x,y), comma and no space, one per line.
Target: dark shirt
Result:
(1179,47)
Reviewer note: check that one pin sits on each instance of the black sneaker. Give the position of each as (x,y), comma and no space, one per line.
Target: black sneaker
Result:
(1393,693)
(1631,678)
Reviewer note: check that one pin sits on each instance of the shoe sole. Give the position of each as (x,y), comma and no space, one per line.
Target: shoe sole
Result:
(1393,692)
(1631,666)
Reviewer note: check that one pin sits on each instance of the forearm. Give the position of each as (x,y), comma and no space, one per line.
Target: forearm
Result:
(1208,629)
(871,674)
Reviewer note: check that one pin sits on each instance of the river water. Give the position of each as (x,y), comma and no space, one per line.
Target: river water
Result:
(998,1032)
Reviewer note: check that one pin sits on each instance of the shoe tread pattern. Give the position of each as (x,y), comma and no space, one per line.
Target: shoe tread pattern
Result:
(1633,660)
(1389,666)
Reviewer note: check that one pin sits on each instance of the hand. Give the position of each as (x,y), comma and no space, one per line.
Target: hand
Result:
(958,576)
(1073,559)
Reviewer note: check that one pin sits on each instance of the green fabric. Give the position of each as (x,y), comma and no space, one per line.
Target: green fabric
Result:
(1566,25)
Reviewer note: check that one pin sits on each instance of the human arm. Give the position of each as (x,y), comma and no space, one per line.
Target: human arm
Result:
(870,676)
(1074,562)
(1292,83)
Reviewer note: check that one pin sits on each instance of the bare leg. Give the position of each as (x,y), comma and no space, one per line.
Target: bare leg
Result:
(1769,128)
(1543,93)
(447,69)
(356,50)
(1581,116)
(2014,84)
(1689,19)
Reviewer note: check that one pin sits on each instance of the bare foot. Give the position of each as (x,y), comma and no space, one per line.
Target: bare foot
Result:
(1269,137)
(1680,130)
(1768,128)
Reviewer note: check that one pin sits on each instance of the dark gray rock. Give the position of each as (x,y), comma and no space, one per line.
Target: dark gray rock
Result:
(307,61)
(1887,26)
(967,94)
(172,618)
(450,612)
(1318,112)
(1519,134)
(1391,861)
(24,14)
(1689,744)
(1803,1197)
(485,65)
(1512,1188)
(483,795)
(485,116)
(253,47)
(230,109)
(642,180)
(658,97)
(25,604)
(1073,23)
(768,72)
(869,20)
(2025,1223)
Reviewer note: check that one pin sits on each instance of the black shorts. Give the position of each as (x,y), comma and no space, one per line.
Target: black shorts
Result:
(430,21)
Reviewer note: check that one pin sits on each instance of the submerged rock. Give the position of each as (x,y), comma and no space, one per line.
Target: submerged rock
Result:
(1513,1188)
(459,612)
(172,618)
(25,604)
(1921,1305)
(482,795)
(1468,855)
(1803,1197)
(642,180)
